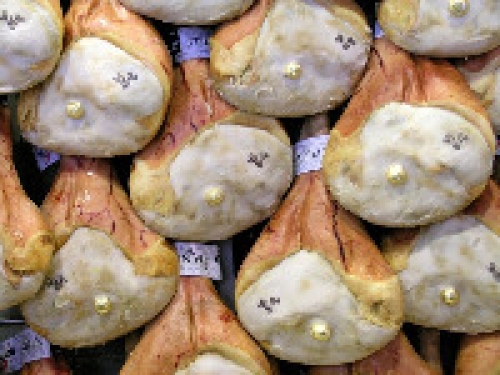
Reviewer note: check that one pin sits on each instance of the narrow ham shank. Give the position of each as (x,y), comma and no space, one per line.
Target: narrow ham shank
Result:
(109,93)
(31,39)
(396,358)
(479,355)
(291,58)
(483,74)
(46,366)
(26,241)
(450,271)
(451,28)
(214,171)
(110,274)
(314,288)
(196,334)
(414,145)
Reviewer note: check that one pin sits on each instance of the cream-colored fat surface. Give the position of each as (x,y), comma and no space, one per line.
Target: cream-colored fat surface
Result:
(87,266)
(294,32)
(250,166)
(463,254)
(213,364)
(116,91)
(438,33)
(28,36)
(189,11)
(444,157)
(285,301)
(11,295)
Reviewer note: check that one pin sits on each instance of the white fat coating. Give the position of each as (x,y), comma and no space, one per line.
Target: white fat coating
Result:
(294,31)
(439,175)
(12,295)
(486,83)
(189,12)
(437,33)
(32,41)
(93,265)
(458,253)
(219,157)
(213,364)
(309,289)
(110,125)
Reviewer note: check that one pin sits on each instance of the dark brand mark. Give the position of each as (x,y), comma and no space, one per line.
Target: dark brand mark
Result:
(492,268)
(123,80)
(456,141)
(57,282)
(12,21)
(346,42)
(268,305)
(258,160)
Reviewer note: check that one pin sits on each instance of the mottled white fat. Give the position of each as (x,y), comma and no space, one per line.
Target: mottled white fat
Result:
(189,12)
(11,295)
(28,37)
(116,91)
(444,157)
(486,83)
(90,265)
(463,254)
(438,33)
(213,364)
(251,168)
(331,54)
(285,301)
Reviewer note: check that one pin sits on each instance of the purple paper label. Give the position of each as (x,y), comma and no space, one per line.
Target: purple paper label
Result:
(193,44)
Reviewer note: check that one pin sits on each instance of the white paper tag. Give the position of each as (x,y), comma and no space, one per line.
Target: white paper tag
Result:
(27,346)
(198,259)
(45,158)
(308,154)
(498,145)
(193,43)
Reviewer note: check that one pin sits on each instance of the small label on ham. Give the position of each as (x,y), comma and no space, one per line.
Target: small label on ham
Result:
(193,44)
(27,346)
(198,259)
(45,158)
(308,154)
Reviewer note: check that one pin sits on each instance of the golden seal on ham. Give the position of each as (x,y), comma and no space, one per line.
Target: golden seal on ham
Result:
(214,171)
(110,273)
(185,12)
(450,271)
(414,145)
(26,241)
(291,57)
(315,289)
(445,28)
(479,355)
(483,74)
(31,39)
(110,91)
(196,335)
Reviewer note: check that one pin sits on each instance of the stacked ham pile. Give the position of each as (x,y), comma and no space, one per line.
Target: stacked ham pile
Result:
(409,150)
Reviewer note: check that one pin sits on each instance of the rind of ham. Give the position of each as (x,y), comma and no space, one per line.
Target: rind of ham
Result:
(87,194)
(195,109)
(479,355)
(195,322)
(397,358)
(46,366)
(355,164)
(28,242)
(110,21)
(249,75)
